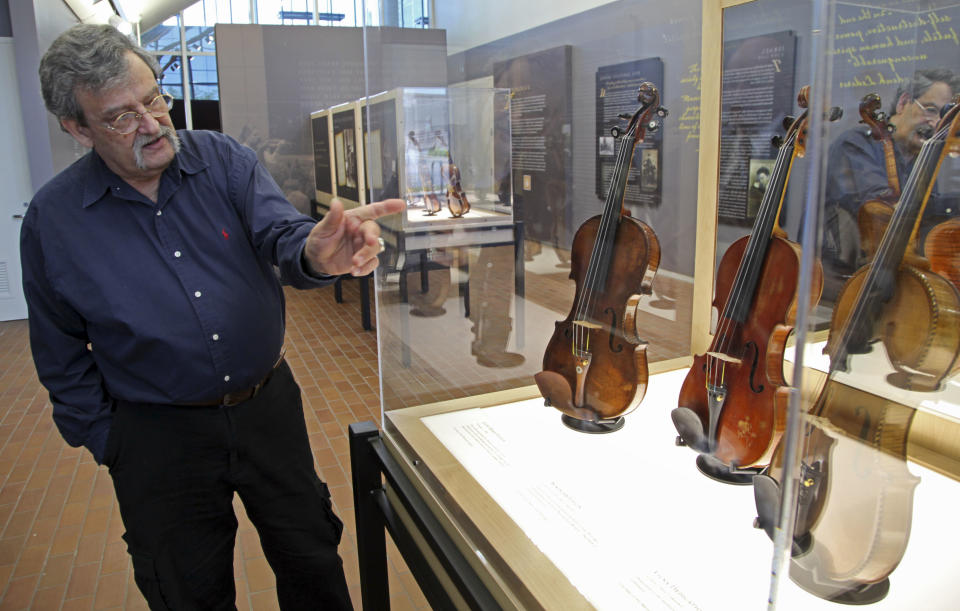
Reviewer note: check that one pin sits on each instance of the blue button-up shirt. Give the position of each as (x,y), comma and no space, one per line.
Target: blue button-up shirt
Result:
(176,301)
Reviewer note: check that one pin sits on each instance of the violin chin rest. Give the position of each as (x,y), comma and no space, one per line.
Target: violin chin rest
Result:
(690,428)
(555,390)
(766,495)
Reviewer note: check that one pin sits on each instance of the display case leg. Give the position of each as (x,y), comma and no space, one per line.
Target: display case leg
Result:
(371,537)
(365,301)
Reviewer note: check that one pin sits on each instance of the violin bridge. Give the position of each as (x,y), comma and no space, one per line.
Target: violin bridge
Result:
(725,357)
(587,324)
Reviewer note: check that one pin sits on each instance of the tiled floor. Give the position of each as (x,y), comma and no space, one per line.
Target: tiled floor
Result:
(60,545)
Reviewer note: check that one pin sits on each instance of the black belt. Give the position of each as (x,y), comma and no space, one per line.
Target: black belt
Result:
(239,396)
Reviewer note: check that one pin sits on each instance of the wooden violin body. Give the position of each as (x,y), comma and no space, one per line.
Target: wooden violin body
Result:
(919,326)
(457,202)
(942,248)
(732,405)
(595,364)
(616,379)
(754,403)
(872,219)
(855,495)
(431,202)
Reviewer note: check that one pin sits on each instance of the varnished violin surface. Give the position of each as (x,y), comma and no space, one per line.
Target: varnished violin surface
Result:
(457,202)
(732,405)
(874,215)
(430,200)
(595,366)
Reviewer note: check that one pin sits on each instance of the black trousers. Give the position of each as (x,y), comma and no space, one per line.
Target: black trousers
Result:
(175,470)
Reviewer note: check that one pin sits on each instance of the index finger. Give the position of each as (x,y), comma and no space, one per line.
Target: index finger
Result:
(377,209)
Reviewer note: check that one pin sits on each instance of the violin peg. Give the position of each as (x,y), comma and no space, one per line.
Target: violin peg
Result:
(625,116)
(662,112)
(615,132)
(787,122)
(776,141)
(653,125)
(835,113)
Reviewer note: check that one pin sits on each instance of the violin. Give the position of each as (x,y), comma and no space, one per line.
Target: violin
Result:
(430,200)
(897,299)
(733,402)
(854,499)
(595,364)
(855,495)
(457,202)
(874,215)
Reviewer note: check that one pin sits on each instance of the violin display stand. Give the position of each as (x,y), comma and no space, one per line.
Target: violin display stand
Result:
(722,472)
(840,592)
(599,427)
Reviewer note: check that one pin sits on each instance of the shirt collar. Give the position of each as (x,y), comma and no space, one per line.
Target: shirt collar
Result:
(101,179)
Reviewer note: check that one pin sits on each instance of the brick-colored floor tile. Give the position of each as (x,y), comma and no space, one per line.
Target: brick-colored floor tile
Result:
(20,593)
(259,575)
(264,601)
(49,598)
(57,571)
(111,591)
(83,581)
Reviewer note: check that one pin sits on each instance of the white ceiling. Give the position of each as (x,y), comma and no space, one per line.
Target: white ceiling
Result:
(148,12)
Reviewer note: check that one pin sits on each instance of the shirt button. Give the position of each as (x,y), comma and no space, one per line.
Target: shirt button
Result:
(176,254)
(226,378)
(197,294)
(216,337)
(159,212)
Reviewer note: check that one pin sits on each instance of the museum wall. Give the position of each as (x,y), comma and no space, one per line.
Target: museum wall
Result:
(34,28)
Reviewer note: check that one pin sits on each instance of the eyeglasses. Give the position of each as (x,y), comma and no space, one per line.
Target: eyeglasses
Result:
(931,110)
(128,122)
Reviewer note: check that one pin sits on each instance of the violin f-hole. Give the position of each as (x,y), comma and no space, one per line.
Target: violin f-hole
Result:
(753,366)
(613,329)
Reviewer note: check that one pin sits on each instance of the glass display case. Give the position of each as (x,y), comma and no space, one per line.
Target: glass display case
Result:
(863,485)
(660,385)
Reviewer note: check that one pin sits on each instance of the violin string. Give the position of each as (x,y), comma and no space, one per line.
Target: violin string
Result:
(769,206)
(592,274)
(607,221)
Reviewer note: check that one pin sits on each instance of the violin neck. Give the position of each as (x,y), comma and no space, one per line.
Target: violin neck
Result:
(748,274)
(606,234)
(903,225)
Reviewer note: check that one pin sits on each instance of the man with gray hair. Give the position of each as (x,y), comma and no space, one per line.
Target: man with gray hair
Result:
(857,171)
(157,322)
